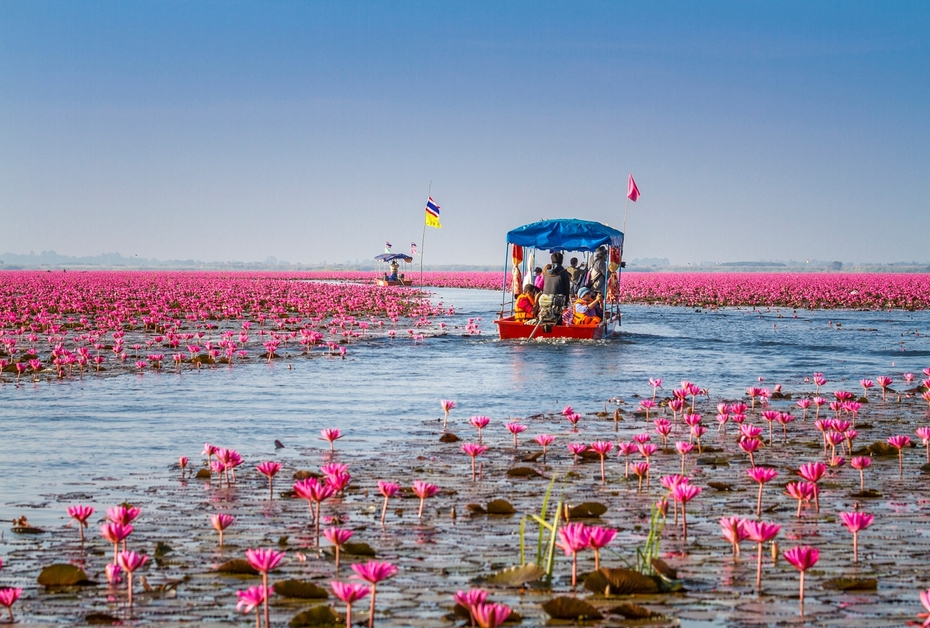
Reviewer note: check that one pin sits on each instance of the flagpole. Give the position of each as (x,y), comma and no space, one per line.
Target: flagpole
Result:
(423,237)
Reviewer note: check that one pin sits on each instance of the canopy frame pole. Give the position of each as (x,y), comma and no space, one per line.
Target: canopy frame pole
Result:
(429,193)
(504,283)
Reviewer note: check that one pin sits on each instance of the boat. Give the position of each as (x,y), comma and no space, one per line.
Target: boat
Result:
(564,235)
(393,278)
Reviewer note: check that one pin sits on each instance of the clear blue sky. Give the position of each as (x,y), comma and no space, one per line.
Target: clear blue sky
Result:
(310,131)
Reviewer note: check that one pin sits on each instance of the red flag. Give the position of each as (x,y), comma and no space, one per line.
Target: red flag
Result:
(632,192)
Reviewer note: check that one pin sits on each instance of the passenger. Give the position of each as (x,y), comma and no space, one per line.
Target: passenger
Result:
(394,268)
(573,269)
(585,310)
(525,307)
(598,274)
(538,278)
(557,281)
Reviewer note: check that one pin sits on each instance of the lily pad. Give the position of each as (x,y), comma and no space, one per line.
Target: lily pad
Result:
(358,549)
(720,486)
(851,584)
(63,575)
(713,461)
(28,530)
(500,507)
(449,438)
(303,474)
(608,581)
(203,474)
(97,619)
(161,549)
(664,569)
(879,448)
(300,589)
(587,510)
(475,509)
(517,576)
(632,611)
(869,493)
(317,616)
(522,472)
(531,457)
(570,608)
(238,566)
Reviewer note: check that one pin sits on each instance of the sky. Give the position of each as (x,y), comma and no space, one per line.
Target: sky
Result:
(313,131)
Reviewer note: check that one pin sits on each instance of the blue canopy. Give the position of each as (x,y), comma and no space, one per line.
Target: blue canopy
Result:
(387,257)
(565,234)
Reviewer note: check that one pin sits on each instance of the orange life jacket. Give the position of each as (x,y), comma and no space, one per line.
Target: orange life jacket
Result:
(583,319)
(519,315)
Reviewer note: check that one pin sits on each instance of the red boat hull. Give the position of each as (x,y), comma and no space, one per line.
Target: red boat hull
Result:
(510,329)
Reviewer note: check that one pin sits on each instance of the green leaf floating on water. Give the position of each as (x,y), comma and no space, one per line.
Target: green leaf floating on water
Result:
(522,472)
(300,589)
(608,581)
(358,549)
(317,616)
(237,566)
(500,507)
(851,584)
(632,611)
(570,608)
(587,510)
(63,575)
(203,474)
(516,576)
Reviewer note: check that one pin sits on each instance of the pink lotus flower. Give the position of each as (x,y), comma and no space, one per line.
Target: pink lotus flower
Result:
(469,600)
(269,469)
(813,472)
(446,406)
(855,522)
(251,599)
(602,448)
(544,440)
(925,600)
(130,561)
(803,558)
(8,597)
(750,446)
(123,515)
(600,538)
(473,451)
(490,615)
(389,490)
(683,493)
(573,538)
(332,435)
(923,433)
(373,572)
(762,475)
(734,531)
(349,593)
(115,533)
(801,491)
(80,514)
(315,492)
(885,382)
(337,537)
(683,449)
(424,490)
(656,385)
(760,532)
(182,462)
(515,429)
(113,573)
(479,422)
(264,560)
(861,463)
(220,522)
(576,449)
(641,470)
(899,443)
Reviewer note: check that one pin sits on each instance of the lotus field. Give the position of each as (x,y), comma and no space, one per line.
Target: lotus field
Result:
(775,507)
(869,291)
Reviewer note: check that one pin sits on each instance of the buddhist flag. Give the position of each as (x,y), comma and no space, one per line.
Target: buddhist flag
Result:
(632,192)
(432,214)
(387,247)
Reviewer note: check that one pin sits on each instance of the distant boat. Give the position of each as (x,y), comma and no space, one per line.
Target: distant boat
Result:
(393,278)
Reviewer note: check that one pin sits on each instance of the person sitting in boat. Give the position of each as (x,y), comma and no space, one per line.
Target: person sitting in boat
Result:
(394,267)
(555,293)
(538,278)
(598,274)
(586,308)
(525,306)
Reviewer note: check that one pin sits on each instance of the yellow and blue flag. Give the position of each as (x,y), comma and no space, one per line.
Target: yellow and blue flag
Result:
(432,214)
